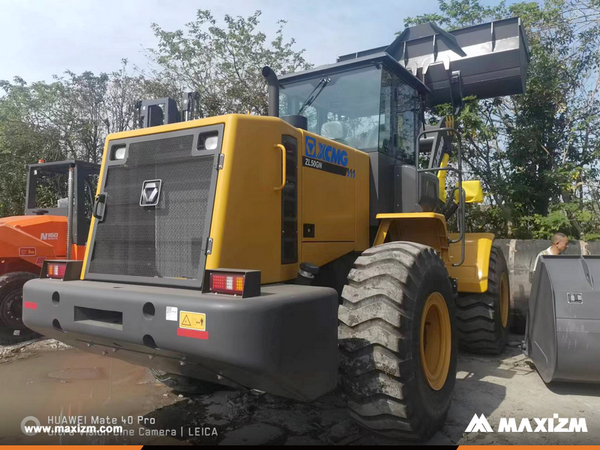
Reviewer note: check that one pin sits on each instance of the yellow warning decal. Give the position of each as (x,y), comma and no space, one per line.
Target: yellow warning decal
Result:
(192,320)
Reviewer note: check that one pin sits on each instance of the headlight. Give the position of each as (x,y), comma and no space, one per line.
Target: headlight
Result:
(208,140)
(211,142)
(117,152)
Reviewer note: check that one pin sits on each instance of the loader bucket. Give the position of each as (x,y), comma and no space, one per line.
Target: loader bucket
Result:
(492,58)
(563,327)
(520,257)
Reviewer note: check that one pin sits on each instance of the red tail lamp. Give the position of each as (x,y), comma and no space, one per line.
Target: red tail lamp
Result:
(227,283)
(65,270)
(57,270)
(244,283)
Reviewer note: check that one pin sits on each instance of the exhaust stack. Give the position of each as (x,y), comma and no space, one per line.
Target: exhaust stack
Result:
(273,90)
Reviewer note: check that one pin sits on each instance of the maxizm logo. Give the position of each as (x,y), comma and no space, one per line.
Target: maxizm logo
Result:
(325,152)
(509,425)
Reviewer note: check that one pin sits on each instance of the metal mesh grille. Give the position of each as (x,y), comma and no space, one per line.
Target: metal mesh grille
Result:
(165,241)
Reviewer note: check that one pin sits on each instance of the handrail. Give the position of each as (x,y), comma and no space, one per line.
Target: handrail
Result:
(284,167)
(461,197)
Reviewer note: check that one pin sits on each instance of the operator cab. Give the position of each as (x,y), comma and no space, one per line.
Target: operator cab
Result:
(374,101)
(373,104)
(369,106)
(48,192)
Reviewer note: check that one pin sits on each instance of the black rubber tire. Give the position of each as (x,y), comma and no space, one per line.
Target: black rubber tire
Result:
(478,316)
(11,289)
(186,385)
(8,336)
(379,340)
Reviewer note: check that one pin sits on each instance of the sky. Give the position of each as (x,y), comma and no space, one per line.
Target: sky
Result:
(41,38)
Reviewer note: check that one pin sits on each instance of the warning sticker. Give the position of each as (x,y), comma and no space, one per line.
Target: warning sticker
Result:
(192,320)
(171,313)
(27,251)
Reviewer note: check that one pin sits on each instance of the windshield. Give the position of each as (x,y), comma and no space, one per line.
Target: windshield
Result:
(368,108)
(346,109)
(51,188)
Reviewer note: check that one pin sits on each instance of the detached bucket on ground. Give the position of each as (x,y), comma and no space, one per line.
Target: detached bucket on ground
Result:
(563,322)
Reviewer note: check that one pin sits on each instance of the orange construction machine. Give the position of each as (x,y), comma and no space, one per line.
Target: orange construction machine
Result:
(57,217)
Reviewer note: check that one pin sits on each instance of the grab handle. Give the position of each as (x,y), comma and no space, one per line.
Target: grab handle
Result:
(100,200)
(284,169)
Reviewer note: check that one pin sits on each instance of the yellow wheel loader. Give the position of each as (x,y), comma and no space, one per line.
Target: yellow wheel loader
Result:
(274,252)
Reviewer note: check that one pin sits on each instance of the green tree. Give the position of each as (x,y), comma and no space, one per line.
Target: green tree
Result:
(71,116)
(222,64)
(25,137)
(68,118)
(123,91)
(536,153)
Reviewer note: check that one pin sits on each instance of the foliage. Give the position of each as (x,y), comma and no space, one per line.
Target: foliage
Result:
(537,153)
(70,117)
(223,64)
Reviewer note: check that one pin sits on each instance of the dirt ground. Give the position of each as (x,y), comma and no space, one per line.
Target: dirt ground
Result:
(47,379)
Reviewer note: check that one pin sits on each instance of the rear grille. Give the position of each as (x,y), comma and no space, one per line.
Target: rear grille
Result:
(165,241)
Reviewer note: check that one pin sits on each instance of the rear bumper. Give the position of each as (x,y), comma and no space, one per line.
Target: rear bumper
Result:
(283,342)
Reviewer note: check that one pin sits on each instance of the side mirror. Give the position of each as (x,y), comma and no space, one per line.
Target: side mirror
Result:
(473,192)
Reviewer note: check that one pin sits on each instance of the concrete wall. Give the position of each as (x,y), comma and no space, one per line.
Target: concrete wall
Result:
(520,256)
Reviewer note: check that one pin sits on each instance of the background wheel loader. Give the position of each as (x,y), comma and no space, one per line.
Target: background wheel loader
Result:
(42,233)
(240,250)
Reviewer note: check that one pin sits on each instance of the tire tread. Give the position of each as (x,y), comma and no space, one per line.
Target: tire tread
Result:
(375,316)
(477,315)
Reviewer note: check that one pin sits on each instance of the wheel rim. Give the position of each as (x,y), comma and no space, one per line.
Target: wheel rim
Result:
(504,300)
(11,309)
(436,341)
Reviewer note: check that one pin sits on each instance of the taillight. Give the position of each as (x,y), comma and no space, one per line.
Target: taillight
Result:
(245,283)
(61,270)
(56,270)
(227,283)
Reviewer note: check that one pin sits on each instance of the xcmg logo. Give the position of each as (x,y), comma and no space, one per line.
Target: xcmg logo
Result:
(325,152)
(509,425)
